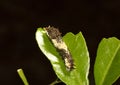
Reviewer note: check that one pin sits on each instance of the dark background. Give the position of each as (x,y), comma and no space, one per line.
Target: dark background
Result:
(19,20)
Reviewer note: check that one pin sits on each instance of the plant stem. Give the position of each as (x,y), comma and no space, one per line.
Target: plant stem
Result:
(22,76)
(56,82)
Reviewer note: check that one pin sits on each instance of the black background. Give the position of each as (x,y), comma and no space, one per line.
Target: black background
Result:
(19,20)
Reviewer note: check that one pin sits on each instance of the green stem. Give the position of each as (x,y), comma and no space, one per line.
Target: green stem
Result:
(22,76)
(56,82)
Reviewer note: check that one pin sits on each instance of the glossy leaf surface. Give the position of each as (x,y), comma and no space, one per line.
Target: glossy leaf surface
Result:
(107,64)
(78,49)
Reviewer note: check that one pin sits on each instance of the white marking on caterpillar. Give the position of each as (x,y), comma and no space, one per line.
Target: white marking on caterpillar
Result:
(55,37)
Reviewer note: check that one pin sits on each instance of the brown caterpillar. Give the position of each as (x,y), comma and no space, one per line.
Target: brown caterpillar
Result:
(56,38)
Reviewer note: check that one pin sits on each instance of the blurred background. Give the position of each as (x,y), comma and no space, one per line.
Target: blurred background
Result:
(19,20)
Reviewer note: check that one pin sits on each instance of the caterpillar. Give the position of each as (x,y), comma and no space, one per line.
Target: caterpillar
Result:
(56,38)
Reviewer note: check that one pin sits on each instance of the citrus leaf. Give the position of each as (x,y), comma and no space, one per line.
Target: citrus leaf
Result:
(107,64)
(78,49)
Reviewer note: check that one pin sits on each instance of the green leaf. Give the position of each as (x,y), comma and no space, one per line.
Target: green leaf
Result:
(78,49)
(107,64)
